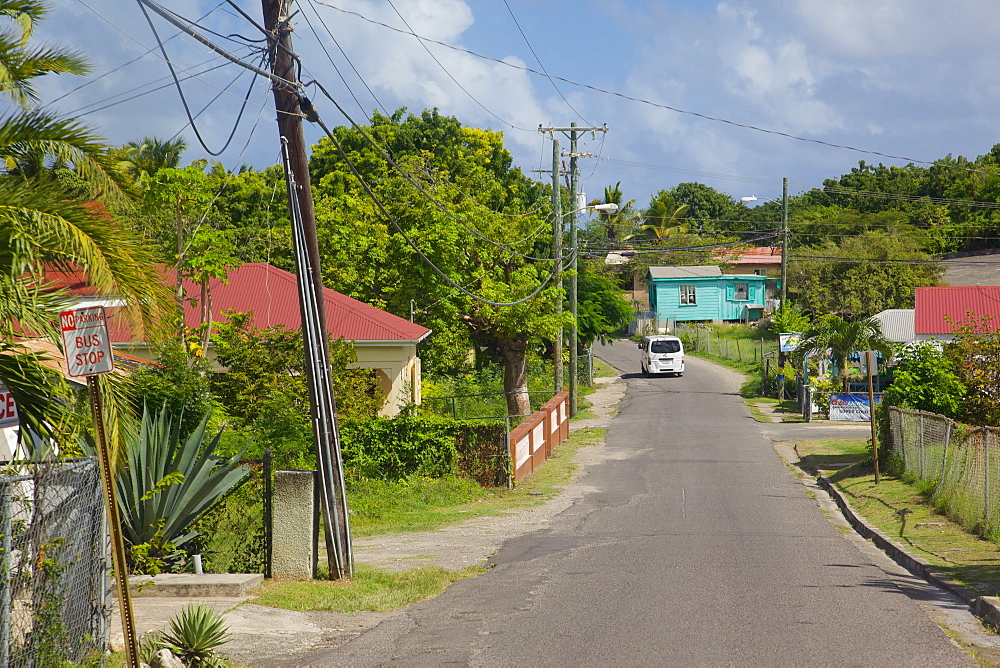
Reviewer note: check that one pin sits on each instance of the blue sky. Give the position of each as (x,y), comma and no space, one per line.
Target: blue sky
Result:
(910,78)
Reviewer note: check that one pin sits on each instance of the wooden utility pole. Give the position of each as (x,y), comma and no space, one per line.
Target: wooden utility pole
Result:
(333,500)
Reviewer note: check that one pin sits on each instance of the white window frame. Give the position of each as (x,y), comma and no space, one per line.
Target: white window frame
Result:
(689,296)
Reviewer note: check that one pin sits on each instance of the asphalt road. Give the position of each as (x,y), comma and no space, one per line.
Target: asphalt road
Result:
(695,546)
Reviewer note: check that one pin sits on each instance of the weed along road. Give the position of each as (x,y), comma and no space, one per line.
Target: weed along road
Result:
(694,545)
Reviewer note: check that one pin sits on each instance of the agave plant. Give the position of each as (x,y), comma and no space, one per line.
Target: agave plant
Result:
(194,634)
(168,482)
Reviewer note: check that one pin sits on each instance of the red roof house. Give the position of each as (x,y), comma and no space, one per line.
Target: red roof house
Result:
(937,311)
(382,341)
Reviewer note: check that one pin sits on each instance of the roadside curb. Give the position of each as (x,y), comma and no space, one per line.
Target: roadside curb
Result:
(986,607)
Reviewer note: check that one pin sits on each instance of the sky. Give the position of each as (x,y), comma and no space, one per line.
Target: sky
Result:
(735,94)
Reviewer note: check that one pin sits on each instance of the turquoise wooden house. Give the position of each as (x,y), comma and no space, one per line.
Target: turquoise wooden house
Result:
(704,293)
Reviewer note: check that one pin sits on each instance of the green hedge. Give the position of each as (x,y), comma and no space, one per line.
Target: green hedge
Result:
(430,446)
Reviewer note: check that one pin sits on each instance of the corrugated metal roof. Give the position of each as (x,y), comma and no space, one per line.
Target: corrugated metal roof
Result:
(935,306)
(897,324)
(752,255)
(692,271)
(272,295)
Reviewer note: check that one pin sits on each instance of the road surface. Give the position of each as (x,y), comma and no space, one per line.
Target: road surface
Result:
(695,546)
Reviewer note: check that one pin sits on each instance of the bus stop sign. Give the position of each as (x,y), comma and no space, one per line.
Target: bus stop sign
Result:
(86,341)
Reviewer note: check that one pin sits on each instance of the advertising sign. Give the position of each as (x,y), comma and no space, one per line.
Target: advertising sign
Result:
(789,341)
(851,407)
(86,341)
(8,409)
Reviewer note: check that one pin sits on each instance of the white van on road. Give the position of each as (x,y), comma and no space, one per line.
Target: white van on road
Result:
(662,354)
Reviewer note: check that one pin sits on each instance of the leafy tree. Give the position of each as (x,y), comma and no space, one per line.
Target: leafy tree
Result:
(489,221)
(707,208)
(843,337)
(601,309)
(975,357)
(924,379)
(860,276)
(178,384)
(264,388)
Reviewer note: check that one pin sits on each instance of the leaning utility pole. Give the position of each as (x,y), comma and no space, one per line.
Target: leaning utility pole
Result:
(574,132)
(322,404)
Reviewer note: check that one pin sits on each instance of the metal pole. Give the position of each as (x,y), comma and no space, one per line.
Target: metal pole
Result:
(784,241)
(557,253)
(871,411)
(6,513)
(115,524)
(573,307)
(323,407)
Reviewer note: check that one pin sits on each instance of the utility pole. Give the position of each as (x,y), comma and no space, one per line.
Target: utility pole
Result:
(784,257)
(323,410)
(557,232)
(574,132)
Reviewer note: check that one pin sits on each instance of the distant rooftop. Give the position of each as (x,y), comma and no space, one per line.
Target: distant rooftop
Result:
(940,310)
(691,271)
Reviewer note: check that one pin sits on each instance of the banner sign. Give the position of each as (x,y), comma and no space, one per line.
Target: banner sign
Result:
(8,409)
(851,407)
(789,341)
(86,341)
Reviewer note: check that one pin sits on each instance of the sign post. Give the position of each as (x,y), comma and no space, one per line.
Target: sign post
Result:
(871,358)
(87,345)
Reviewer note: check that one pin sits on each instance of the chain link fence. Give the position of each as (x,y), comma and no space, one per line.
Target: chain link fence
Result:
(235,533)
(962,464)
(54,564)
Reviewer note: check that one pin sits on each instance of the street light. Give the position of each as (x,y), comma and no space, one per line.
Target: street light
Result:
(610,207)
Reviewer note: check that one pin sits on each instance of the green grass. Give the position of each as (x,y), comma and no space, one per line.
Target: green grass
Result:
(371,589)
(604,370)
(902,512)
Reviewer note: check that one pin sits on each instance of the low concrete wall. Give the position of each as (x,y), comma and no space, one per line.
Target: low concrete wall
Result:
(293,542)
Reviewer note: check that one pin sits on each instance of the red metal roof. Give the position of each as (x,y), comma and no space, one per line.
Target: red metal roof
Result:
(933,304)
(752,255)
(272,295)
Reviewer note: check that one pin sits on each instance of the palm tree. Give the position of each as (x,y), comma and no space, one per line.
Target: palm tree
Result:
(42,225)
(148,156)
(624,217)
(843,337)
(664,217)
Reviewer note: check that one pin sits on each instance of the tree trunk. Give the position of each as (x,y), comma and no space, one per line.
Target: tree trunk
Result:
(206,315)
(515,375)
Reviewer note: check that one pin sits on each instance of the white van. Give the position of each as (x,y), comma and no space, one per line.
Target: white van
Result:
(662,354)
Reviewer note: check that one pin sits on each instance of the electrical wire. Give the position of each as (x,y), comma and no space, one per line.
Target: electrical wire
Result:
(385,156)
(381,207)
(640,100)
(539,61)
(180,91)
(451,76)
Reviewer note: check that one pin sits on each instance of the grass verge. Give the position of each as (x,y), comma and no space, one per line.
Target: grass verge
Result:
(421,505)
(371,589)
(902,511)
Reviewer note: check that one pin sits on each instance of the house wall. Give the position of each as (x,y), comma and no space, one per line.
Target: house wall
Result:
(715,298)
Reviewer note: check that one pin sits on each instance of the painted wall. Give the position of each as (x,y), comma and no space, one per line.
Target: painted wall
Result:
(715,298)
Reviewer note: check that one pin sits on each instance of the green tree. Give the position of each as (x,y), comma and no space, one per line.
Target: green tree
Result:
(145,157)
(860,276)
(974,354)
(601,309)
(622,220)
(843,337)
(924,379)
(707,208)
(487,224)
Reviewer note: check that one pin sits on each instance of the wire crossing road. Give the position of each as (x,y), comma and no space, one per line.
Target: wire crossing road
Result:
(696,546)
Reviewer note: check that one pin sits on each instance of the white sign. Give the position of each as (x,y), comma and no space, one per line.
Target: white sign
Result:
(851,407)
(86,341)
(8,409)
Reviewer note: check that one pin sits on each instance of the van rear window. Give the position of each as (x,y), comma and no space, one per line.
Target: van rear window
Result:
(665,347)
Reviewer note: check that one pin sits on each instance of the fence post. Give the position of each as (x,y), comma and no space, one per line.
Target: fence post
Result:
(5,530)
(986,478)
(921,448)
(268,513)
